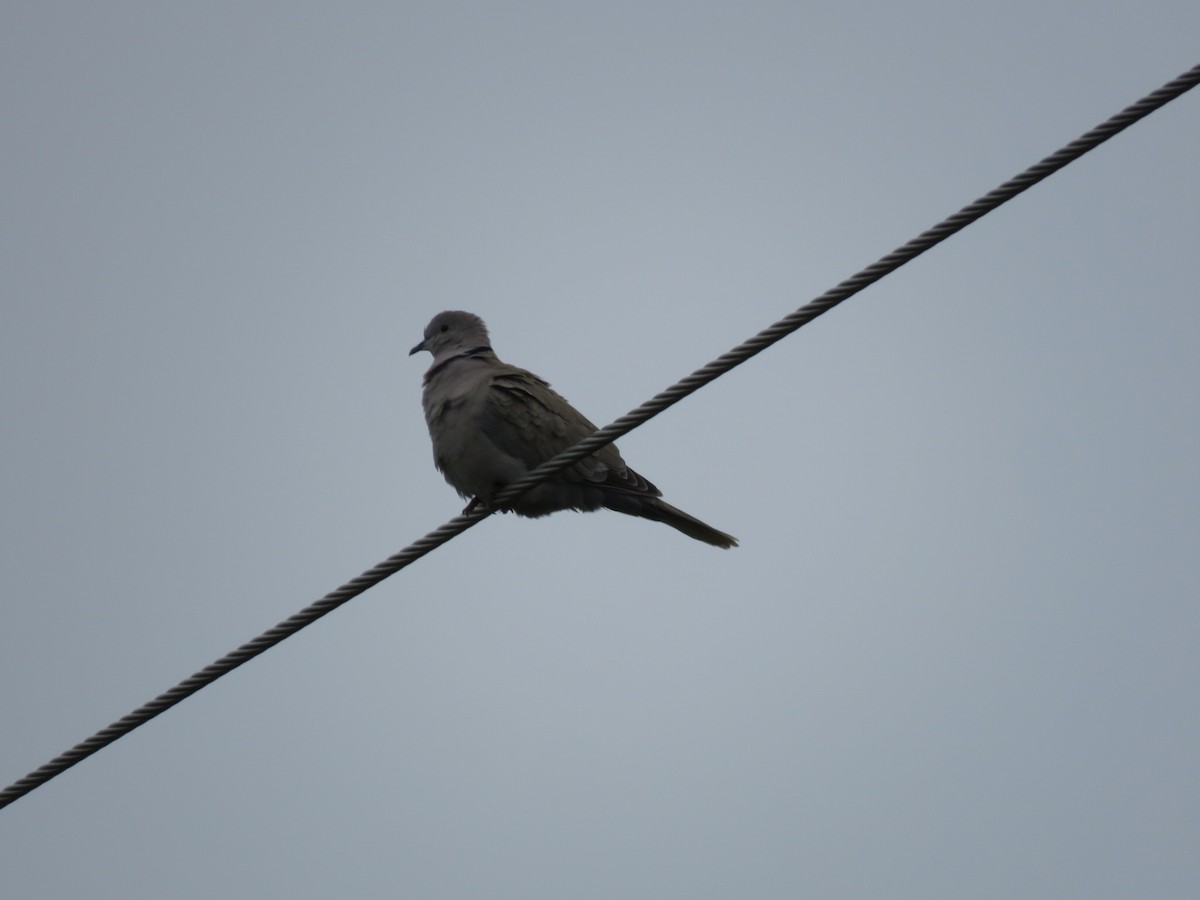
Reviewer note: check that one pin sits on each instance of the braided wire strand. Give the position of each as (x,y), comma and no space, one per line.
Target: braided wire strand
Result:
(622,426)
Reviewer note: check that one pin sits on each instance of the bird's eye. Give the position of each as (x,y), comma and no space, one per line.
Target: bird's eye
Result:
(445,328)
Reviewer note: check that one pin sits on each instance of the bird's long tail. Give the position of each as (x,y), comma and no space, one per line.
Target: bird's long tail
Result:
(659,511)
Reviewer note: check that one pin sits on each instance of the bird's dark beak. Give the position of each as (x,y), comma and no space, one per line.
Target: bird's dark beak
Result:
(417,349)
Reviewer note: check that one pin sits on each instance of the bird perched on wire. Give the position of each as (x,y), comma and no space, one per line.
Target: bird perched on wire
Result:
(491,423)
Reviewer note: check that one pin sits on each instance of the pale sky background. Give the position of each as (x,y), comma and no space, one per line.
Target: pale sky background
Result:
(956,654)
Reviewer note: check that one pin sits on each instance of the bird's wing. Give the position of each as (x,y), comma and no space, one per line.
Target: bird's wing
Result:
(528,420)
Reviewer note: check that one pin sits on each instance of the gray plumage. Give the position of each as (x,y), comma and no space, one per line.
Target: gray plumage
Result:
(491,423)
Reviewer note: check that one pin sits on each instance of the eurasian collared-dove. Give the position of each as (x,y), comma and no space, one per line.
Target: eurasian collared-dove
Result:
(491,423)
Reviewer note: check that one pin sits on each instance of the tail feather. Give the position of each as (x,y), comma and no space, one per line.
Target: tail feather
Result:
(553,495)
(660,511)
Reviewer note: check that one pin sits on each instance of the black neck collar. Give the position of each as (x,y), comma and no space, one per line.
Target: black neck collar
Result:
(466,354)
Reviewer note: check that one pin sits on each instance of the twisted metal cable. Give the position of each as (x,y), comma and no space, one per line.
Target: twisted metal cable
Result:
(608,434)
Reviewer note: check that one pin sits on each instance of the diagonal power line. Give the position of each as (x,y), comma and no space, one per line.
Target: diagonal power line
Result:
(652,407)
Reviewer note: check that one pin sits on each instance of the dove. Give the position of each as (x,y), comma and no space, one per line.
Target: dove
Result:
(491,423)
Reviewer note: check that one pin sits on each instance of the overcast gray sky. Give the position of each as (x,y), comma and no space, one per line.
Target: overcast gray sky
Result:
(956,653)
